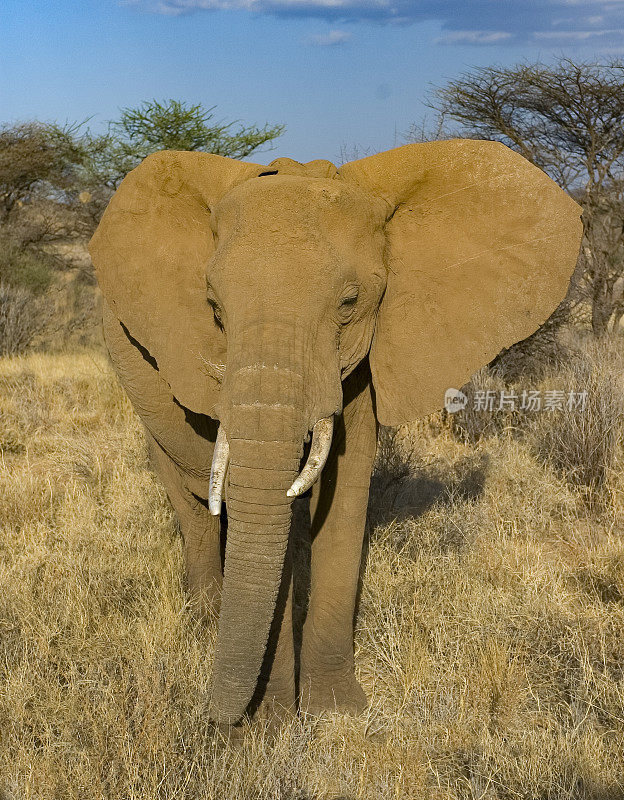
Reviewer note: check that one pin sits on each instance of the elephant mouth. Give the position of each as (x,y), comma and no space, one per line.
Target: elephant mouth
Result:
(322,434)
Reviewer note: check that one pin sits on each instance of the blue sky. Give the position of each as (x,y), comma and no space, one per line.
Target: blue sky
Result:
(339,74)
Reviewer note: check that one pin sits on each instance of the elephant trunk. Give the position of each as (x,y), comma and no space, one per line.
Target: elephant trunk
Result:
(259,514)
(263,419)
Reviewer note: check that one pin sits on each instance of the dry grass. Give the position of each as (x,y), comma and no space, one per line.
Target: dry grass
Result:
(490,637)
(584,446)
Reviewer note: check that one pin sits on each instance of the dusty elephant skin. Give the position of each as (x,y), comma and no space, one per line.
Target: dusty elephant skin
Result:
(256,304)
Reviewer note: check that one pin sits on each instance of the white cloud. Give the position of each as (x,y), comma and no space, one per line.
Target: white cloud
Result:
(329,39)
(591,2)
(177,7)
(473,37)
(566,23)
(575,36)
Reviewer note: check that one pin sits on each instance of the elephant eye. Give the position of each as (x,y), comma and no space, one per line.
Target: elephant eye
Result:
(347,304)
(350,298)
(216,308)
(217,313)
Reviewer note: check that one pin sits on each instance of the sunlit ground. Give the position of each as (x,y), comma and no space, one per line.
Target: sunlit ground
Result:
(490,636)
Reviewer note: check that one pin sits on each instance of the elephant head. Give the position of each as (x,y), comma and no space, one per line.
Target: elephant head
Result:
(256,290)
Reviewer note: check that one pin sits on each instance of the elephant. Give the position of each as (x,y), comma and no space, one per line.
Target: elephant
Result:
(264,320)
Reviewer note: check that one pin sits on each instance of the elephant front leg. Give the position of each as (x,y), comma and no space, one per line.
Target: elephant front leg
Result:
(201,533)
(202,554)
(338,514)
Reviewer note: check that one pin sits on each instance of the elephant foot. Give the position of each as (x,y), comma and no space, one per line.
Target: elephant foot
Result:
(325,693)
(276,705)
(281,707)
(231,735)
(273,714)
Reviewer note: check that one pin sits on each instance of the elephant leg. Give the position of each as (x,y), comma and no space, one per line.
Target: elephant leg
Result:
(338,513)
(201,532)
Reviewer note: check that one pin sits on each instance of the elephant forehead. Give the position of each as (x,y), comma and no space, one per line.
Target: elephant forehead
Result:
(294,197)
(313,169)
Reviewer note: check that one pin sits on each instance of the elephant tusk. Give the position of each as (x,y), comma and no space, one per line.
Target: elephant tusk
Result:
(218,470)
(319,450)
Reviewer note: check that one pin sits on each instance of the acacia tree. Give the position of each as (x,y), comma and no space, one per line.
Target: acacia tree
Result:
(170,125)
(34,156)
(153,126)
(566,118)
(176,125)
(75,171)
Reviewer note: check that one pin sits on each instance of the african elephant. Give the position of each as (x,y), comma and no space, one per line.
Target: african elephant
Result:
(247,305)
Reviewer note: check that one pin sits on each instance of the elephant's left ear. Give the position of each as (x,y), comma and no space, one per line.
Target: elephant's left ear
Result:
(480,250)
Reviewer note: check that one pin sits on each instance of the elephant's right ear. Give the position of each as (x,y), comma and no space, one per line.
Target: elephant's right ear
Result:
(150,253)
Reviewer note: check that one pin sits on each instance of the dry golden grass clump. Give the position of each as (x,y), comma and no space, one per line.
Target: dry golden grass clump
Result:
(490,635)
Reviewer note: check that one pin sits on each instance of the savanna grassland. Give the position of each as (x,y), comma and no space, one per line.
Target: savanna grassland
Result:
(490,634)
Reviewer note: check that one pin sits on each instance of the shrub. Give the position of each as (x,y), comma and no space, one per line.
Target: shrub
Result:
(35,154)
(583,443)
(579,439)
(537,355)
(473,423)
(392,467)
(22,267)
(26,276)
(22,317)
